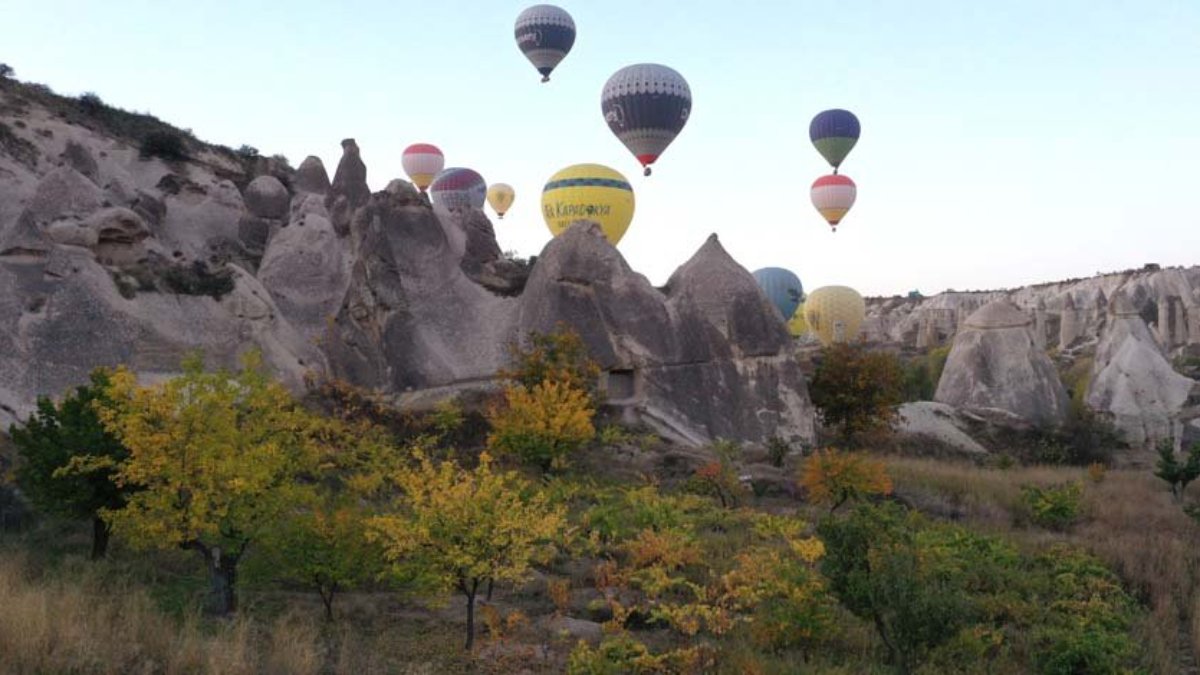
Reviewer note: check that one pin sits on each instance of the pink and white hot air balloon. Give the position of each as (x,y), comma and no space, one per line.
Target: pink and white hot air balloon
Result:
(833,195)
(422,162)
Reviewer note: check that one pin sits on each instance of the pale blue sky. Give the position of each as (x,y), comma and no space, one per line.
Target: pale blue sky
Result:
(1003,143)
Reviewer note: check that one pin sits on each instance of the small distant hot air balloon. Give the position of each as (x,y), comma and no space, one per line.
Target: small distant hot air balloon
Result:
(834,133)
(646,106)
(501,196)
(545,34)
(588,192)
(422,162)
(782,288)
(457,189)
(833,195)
(835,313)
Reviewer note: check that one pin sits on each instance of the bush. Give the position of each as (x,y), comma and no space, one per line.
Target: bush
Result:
(6,71)
(165,145)
(197,279)
(560,357)
(1177,475)
(542,425)
(1055,507)
(833,478)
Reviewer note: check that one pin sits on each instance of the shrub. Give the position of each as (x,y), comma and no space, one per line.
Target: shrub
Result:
(778,450)
(833,477)
(92,104)
(165,145)
(857,390)
(560,357)
(1177,475)
(1055,507)
(6,71)
(542,425)
(717,479)
(198,279)
(247,152)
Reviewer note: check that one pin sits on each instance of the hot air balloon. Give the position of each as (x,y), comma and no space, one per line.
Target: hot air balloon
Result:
(782,288)
(501,196)
(545,34)
(797,326)
(834,313)
(588,192)
(646,106)
(833,195)
(457,189)
(422,162)
(834,133)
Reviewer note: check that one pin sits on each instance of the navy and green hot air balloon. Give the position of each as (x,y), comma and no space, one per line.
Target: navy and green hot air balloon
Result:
(782,288)
(834,133)
(545,34)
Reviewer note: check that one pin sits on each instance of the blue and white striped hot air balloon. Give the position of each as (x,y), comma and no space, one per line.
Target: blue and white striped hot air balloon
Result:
(646,106)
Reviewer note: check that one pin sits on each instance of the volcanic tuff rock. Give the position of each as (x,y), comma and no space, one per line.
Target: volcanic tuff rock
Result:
(995,363)
(1132,379)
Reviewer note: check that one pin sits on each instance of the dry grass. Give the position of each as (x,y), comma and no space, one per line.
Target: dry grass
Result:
(1130,521)
(79,620)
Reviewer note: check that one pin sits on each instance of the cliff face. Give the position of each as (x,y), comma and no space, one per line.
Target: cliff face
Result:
(1064,314)
(124,241)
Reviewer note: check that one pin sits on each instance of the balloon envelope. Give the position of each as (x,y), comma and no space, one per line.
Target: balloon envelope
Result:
(835,313)
(833,195)
(834,133)
(588,192)
(457,188)
(501,196)
(646,106)
(545,35)
(797,326)
(782,288)
(422,162)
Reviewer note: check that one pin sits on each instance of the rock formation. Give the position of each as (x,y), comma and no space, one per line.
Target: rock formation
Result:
(995,364)
(1132,379)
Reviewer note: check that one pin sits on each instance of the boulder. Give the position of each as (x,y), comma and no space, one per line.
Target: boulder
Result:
(120,235)
(62,193)
(78,157)
(307,270)
(266,197)
(940,423)
(1132,380)
(995,363)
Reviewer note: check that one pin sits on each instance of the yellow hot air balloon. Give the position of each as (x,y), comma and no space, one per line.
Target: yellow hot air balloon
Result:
(501,196)
(588,192)
(835,313)
(797,326)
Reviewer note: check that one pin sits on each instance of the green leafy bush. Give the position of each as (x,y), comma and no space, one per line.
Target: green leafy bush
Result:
(1055,507)
(164,145)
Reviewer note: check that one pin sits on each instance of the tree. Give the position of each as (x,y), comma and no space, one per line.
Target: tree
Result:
(877,570)
(53,436)
(465,527)
(857,390)
(833,477)
(543,424)
(6,71)
(216,459)
(560,356)
(1177,475)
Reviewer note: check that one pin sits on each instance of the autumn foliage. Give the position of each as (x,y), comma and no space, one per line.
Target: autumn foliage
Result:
(833,477)
(543,424)
(857,390)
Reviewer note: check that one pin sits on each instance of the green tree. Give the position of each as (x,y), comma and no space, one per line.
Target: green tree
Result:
(216,459)
(465,527)
(857,390)
(877,570)
(1177,475)
(47,443)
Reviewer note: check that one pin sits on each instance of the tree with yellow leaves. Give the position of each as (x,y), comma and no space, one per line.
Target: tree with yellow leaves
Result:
(215,459)
(833,477)
(542,425)
(466,527)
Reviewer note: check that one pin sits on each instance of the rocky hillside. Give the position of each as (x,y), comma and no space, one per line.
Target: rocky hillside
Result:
(126,241)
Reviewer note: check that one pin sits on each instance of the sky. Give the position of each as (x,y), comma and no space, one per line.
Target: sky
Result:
(1003,143)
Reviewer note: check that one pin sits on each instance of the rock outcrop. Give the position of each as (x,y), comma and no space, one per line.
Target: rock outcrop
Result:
(1132,380)
(996,364)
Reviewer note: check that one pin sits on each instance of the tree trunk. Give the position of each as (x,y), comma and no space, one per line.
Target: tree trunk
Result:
(100,535)
(222,577)
(491,585)
(470,593)
(894,656)
(327,598)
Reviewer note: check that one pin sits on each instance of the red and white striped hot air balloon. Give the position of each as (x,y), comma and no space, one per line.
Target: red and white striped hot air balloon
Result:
(833,195)
(422,162)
